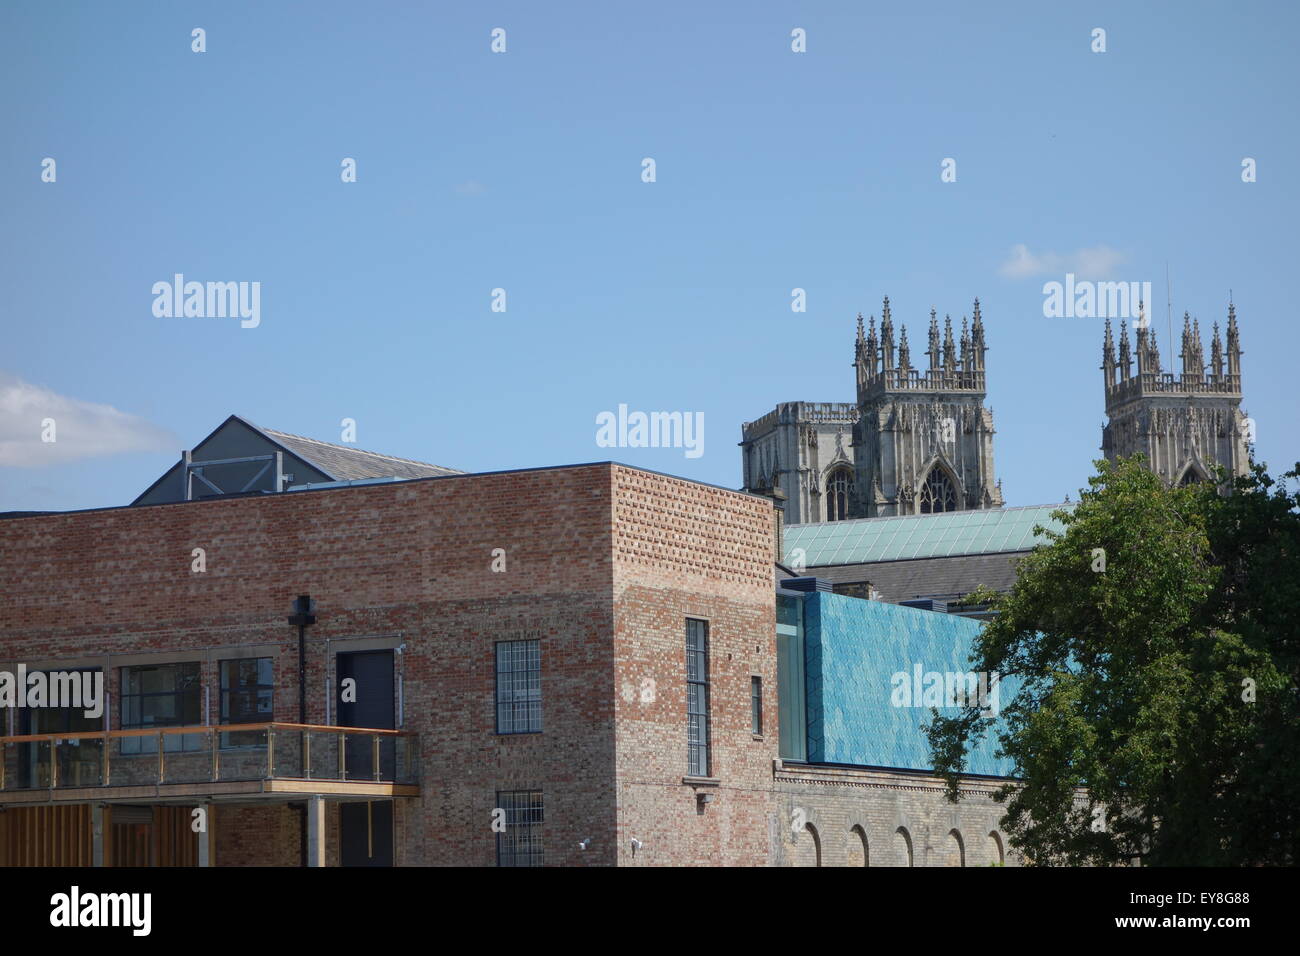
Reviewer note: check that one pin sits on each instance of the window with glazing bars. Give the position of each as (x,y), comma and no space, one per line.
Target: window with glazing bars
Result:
(756,704)
(247,694)
(163,695)
(520,844)
(519,687)
(697,698)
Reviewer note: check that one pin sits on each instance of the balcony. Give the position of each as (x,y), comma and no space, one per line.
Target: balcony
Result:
(244,761)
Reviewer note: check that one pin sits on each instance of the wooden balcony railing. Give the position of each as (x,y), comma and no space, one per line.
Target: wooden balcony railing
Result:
(208,754)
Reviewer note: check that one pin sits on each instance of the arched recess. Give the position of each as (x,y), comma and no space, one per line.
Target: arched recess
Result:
(938,492)
(838,482)
(956,848)
(859,853)
(1192,474)
(903,842)
(995,844)
(816,842)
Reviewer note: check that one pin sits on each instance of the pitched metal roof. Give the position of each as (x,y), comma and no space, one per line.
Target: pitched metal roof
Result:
(344,463)
(868,540)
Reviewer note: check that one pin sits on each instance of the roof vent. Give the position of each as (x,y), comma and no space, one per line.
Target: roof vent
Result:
(807,584)
(927,604)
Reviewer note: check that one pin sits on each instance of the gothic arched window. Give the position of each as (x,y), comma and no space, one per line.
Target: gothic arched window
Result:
(839,488)
(1190,477)
(937,494)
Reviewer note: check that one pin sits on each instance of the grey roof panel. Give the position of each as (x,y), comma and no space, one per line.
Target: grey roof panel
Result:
(927,577)
(346,463)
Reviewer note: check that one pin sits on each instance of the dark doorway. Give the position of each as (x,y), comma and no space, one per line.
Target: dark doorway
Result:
(366,833)
(368,703)
(366,829)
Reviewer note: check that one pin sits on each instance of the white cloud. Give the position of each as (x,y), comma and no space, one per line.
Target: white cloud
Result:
(81,429)
(1099,262)
(471,187)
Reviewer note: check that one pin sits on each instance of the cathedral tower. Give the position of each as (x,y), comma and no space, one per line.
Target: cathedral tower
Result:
(1184,424)
(923,441)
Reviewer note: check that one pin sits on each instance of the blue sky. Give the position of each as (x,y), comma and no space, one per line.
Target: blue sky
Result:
(522,171)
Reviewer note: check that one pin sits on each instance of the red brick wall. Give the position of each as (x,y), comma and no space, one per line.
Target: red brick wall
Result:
(602,561)
(688,550)
(409,561)
(269,835)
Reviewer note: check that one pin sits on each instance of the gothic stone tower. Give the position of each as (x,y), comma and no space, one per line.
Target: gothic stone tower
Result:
(923,442)
(1183,424)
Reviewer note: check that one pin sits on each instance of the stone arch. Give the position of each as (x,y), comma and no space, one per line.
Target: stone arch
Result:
(903,844)
(939,491)
(839,483)
(998,853)
(816,843)
(1193,473)
(859,852)
(956,848)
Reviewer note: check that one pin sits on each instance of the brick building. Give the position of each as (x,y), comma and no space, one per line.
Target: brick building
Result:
(560,666)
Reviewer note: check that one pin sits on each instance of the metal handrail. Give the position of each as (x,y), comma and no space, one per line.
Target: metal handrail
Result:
(212,732)
(197,729)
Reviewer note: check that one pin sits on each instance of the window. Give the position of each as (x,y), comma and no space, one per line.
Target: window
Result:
(1190,477)
(247,694)
(65,719)
(791,715)
(79,758)
(838,490)
(520,844)
(519,687)
(756,705)
(162,695)
(937,494)
(697,698)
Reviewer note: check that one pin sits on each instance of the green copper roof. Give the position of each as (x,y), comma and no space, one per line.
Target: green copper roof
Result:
(864,540)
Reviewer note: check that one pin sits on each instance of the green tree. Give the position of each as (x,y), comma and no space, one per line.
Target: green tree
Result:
(1157,715)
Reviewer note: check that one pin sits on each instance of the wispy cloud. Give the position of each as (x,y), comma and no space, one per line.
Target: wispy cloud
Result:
(471,187)
(1099,262)
(31,413)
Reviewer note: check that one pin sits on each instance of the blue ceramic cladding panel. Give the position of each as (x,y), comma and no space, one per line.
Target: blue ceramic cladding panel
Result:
(853,648)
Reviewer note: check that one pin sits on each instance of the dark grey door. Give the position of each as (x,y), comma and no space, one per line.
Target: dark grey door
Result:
(367,833)
(366,829)
(367,703)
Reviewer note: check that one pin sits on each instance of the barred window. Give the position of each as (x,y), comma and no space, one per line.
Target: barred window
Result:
(697,698)
(519,687)
(756,704)
(520,844)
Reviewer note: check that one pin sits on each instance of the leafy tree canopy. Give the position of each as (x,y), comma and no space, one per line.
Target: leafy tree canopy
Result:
(1157,637)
